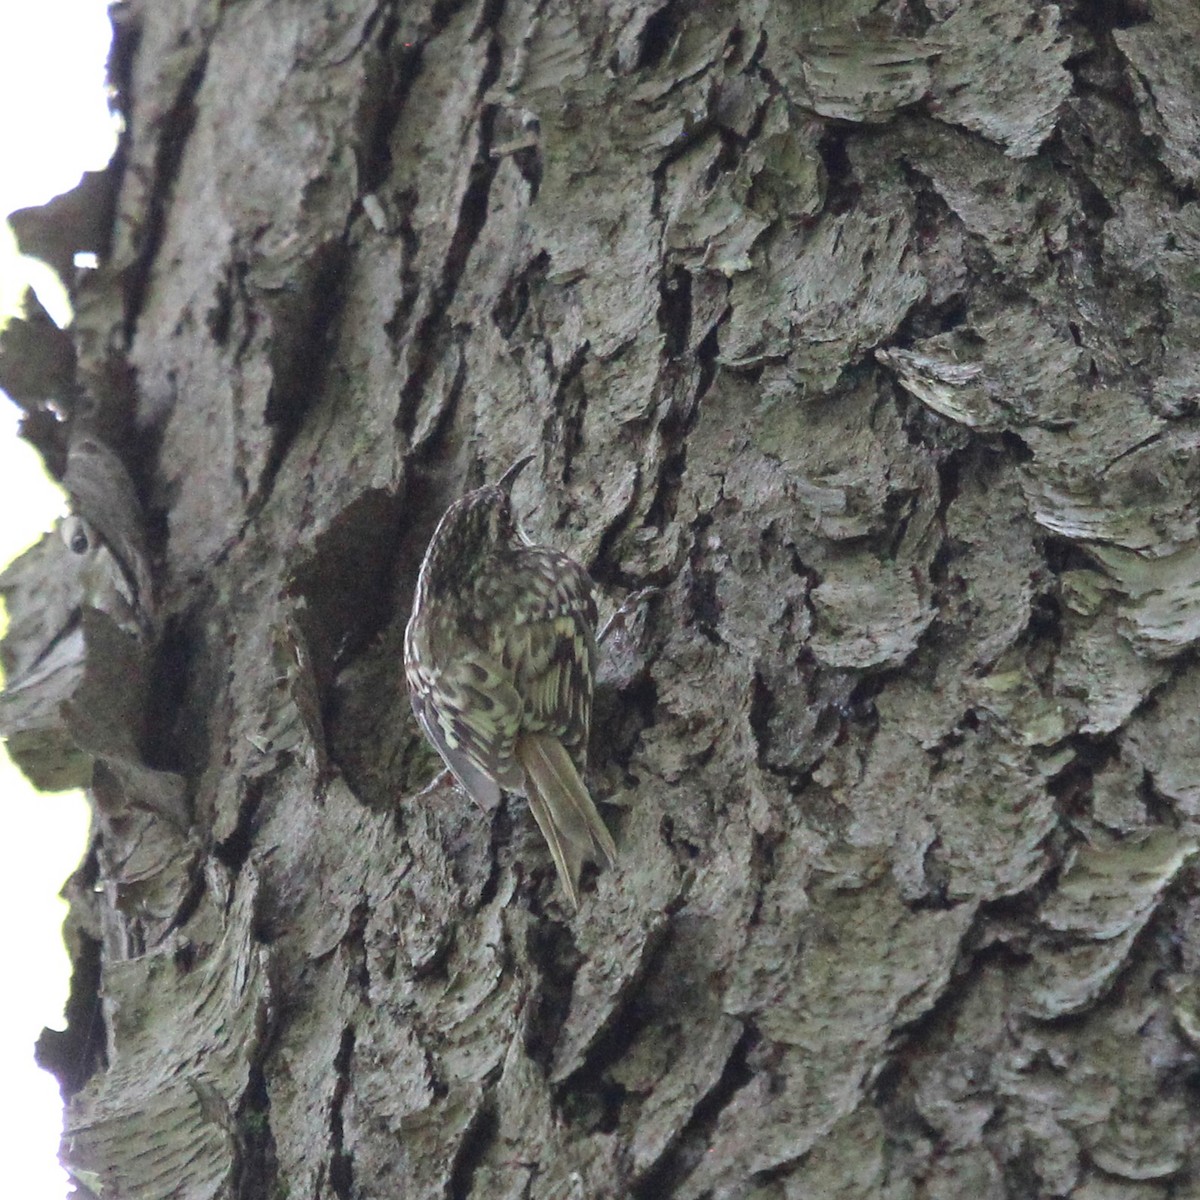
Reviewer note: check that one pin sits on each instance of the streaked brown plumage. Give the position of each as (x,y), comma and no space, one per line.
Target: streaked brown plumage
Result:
(500,656)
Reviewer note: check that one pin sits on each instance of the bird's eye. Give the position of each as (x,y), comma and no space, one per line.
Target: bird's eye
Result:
(75,535)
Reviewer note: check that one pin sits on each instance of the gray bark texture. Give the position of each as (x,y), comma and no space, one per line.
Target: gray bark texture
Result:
(868,332)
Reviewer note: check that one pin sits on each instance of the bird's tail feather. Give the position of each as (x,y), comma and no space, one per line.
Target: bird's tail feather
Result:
(564,811)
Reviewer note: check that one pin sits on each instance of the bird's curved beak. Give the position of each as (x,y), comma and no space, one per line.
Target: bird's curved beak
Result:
(506,480)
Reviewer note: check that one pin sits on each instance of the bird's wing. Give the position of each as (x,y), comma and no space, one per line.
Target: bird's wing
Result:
(471,715)
(552,653)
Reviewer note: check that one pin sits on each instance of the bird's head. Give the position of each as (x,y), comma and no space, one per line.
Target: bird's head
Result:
(473,529)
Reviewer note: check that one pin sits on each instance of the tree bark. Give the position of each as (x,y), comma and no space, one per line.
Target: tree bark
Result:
(868,333)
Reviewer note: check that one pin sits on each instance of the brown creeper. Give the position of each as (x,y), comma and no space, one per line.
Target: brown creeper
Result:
(500,654)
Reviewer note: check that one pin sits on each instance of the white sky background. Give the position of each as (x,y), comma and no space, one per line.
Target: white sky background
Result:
(54,124)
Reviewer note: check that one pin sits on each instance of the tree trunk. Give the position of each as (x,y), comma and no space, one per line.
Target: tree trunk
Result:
(870,335)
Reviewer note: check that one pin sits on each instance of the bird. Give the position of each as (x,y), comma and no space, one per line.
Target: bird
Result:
(500,656)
